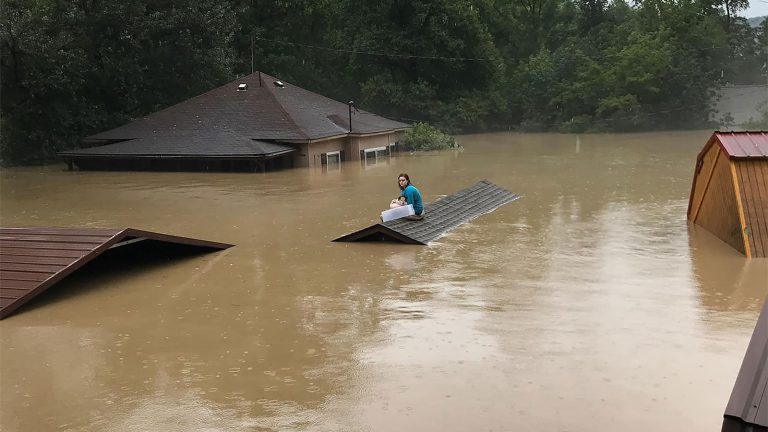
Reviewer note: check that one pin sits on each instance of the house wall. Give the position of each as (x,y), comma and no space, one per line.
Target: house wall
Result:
(717,210)
(367,142)
(309,154)
(701,179)
(752,176)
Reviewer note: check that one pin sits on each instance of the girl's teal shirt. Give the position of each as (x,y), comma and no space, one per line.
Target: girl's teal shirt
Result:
(413,196)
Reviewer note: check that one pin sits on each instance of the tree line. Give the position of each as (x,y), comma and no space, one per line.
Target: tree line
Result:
(71,68)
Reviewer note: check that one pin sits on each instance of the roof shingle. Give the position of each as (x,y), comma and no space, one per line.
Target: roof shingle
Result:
(264,111)
(441,216)
(203,144)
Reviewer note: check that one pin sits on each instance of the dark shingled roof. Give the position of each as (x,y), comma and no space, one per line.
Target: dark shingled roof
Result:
(264,111)
(204,144)
(440,217)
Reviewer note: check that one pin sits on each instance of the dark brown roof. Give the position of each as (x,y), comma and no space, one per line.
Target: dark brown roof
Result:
(738,145)
(440,217)
(749,399)
(33,259)
(264,111)
(204,144)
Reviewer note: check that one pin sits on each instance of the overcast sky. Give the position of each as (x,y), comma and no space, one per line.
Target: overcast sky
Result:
(756,8)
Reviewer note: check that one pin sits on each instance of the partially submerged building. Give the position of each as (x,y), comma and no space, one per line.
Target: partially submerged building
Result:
(729,195)
(747,409)
(36,258)
(254,123)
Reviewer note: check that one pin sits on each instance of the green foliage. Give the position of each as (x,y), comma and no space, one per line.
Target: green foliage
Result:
(424,78)
(761,123)
(71,69)
(423,137)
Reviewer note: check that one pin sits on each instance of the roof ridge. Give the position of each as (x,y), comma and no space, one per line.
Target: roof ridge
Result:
(282,109)
(280,112)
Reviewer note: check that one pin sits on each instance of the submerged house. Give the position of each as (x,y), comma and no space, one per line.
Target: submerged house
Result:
(729,195)
(254,123)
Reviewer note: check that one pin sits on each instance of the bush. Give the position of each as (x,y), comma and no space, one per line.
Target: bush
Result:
(577,124)
(423,137)
(761,123)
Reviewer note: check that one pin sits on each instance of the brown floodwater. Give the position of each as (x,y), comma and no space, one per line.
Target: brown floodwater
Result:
(589,304)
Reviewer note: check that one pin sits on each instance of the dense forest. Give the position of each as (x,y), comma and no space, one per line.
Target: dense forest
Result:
(71,68)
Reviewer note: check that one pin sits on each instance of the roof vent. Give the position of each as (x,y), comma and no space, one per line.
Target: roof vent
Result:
(279,83)
(242,87)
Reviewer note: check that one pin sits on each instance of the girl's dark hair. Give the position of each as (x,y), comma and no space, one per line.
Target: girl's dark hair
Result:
(408,179)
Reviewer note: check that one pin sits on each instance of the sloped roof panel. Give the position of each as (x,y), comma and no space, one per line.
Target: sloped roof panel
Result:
(204,144)
(441,216)
(749,398)
(254,113)
(744,144)
(319,116)
(263,112)
(34,259)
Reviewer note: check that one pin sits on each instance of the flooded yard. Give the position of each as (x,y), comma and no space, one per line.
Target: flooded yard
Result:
(589,304)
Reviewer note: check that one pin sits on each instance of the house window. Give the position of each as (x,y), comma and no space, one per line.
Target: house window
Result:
(334,158)
(375,155)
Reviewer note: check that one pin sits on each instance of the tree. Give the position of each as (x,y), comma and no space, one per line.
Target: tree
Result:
(71,69)
(438,61)
(292,39)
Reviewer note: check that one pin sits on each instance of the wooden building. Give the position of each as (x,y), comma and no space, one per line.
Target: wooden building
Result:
(729,195)
(254,123)
(33,259)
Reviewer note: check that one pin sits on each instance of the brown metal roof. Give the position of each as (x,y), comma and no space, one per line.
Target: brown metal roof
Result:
(748,406)
(746,144)
(33,259)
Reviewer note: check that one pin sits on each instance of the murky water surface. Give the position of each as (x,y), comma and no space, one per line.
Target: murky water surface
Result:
(589,304)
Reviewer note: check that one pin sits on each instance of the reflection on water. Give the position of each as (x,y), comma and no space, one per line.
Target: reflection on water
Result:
(589,300)
(728,283)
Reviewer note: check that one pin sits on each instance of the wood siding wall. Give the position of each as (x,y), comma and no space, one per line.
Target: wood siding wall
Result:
(752,179)
(701,181)
(714,205)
